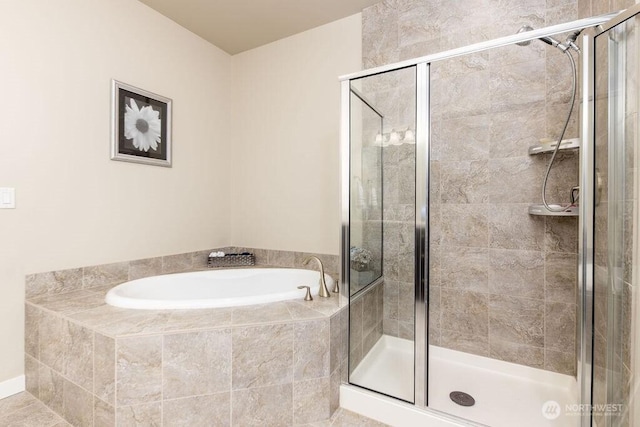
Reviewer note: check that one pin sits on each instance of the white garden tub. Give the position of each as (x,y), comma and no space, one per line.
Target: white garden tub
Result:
(215,288)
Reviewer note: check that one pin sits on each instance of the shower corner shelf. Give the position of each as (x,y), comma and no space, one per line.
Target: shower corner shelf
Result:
(542,211)
(566,144)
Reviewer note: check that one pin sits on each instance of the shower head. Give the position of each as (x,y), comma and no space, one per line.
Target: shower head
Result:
(548,40)
(523,29)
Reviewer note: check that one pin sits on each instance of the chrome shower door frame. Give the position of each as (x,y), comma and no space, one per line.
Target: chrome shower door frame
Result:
(584,338)
(423,129)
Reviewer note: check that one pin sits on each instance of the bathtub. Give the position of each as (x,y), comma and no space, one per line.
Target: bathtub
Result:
(215,288)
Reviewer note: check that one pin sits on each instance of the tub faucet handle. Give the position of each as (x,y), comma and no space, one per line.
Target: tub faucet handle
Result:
(308,296)
(323,292)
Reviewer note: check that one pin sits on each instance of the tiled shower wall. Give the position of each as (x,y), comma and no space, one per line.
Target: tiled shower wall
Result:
(502,282)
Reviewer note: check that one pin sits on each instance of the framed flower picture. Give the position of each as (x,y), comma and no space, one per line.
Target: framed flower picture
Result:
(141,126)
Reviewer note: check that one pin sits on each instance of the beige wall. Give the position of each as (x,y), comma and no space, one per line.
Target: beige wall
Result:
(258,135)
(285,169)
(75,207)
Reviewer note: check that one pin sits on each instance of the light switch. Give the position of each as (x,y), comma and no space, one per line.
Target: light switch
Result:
(7,198)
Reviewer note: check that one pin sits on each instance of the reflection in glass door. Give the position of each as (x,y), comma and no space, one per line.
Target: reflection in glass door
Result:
(381,236)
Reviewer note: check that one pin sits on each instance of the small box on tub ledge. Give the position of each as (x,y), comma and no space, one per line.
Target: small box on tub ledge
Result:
(220,259)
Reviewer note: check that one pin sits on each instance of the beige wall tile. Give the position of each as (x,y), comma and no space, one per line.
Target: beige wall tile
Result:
(511,227)
(560,326)
(210,410)
(335,343)
(561,277)
(78,405)
(272,406)
(516,273)
(32,375)
(516,320)
(145,268)
(466,225)
(32,331)
(561,235)
(106,274)
(522,175)
(465,181)
(461,96)
(465,268)
(512,134)
(311,348)
(334,391)
(104,415)
(262,355)
(51,341)
(177,263)
(53,282)
(196,363)
(463,139)
(281,258)
(138,370)
(517,86)
(517,353)
(560,361)
(372,338)
(78,354)
(465,341)
(51,389)
(465,311)
(104,363)
(311,400)
(149,414)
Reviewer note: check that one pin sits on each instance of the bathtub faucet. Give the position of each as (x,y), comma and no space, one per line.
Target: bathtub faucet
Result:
(323,292)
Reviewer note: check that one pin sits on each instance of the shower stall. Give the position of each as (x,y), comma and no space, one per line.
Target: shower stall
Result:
(470,301)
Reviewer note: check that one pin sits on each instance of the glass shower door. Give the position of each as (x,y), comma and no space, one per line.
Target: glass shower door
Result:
(381,234)
(616,107)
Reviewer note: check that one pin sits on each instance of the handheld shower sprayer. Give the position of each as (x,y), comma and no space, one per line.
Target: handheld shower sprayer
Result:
(565,48)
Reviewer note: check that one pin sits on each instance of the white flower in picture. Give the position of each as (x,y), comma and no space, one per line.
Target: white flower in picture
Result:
(143,126)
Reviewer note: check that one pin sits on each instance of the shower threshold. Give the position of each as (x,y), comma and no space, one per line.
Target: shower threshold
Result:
(506,394)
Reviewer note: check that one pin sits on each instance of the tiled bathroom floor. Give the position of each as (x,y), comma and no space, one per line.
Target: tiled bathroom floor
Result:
(24,410)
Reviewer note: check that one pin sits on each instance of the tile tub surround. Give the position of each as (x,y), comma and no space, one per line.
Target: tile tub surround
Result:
(109,275)
(274,364)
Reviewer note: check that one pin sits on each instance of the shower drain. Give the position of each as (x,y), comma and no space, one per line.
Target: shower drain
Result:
(462,398)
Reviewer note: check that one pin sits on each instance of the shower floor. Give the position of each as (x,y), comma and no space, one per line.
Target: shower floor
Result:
(506,394)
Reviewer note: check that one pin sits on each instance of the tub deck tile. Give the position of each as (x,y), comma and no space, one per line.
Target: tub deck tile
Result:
(302,310)
(261,313)
(70,303)
(205,318)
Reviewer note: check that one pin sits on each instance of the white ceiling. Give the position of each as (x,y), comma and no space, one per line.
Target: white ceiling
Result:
(238,25)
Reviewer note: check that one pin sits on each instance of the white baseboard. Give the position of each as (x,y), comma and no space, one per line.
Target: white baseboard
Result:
(12,386)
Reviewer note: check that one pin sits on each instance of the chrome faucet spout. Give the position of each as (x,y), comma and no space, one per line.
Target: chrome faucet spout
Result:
(323,291)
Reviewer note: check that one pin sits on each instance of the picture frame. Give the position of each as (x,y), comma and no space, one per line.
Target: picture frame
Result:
(140,126)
